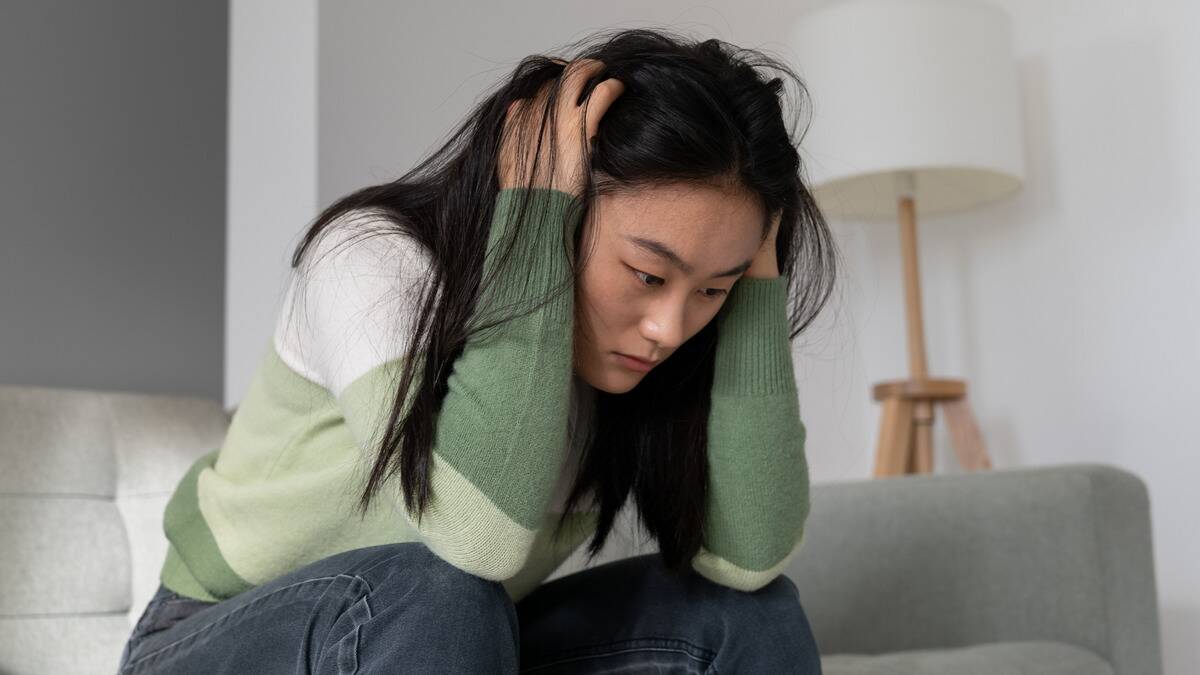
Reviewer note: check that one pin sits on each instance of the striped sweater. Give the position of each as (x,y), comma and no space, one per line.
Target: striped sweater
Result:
(279,492)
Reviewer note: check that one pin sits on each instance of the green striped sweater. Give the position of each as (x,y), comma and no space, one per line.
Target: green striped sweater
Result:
(279,492)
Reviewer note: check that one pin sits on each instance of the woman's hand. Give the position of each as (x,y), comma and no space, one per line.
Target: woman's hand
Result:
(765,263)
(569,119)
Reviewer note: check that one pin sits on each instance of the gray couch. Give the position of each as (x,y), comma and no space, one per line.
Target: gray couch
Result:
(1043,570)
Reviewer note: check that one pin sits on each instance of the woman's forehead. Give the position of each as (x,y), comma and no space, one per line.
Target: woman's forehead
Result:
(707,228)
(680,204)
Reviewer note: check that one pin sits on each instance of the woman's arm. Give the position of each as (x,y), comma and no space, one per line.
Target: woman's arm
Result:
(758,475)
(502,431)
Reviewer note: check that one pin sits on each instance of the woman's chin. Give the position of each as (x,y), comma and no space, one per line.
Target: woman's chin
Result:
(610,380)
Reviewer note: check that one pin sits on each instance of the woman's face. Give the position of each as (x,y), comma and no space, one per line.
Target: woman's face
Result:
(658,265)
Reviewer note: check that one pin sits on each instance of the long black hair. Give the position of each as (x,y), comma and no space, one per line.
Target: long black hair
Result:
(693,112)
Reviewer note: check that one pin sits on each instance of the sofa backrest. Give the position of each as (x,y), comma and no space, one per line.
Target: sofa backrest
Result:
(84,478)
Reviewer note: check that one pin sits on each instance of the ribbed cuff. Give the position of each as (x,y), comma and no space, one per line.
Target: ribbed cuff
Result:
(538,261)
(754,353)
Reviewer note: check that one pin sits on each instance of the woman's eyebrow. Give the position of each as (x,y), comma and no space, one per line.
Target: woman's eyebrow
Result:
(663,251)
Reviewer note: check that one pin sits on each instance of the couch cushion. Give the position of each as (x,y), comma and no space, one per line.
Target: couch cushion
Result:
(61,555)
(81,645)
(84,479)
(994,658)
(1053,553)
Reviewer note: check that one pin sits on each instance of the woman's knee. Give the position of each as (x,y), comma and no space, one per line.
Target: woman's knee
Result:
(411,571)
(774,618)
(419,603)
(779,599)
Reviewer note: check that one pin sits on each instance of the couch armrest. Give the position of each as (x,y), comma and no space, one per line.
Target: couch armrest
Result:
(1059,553)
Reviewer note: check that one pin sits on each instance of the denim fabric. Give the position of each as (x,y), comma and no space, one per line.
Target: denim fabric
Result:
(400,608)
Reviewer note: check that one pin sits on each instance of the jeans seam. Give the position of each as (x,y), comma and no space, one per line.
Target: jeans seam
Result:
(355,576)
(696,652)
(134,663)
(341,659)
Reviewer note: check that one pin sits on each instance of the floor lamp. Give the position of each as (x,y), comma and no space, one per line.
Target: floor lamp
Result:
(915,110)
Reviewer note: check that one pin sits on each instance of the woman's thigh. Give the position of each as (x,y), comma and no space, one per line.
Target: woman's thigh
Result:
(633,615)
(394,607)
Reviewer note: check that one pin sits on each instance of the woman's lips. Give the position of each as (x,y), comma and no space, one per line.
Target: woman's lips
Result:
(634,363)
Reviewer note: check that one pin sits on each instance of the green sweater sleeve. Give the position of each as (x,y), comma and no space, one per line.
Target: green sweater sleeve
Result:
(758,475)
(501,434)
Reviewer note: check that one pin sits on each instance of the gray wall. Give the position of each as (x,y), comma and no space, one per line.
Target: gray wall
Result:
(112,194)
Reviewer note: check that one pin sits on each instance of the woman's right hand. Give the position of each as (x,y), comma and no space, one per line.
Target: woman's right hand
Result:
(569,118)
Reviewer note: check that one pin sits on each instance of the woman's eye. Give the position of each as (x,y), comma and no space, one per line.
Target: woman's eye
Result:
(648,279)
(651,280)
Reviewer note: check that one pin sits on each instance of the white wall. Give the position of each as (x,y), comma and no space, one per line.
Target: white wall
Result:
(272,168)
(1070,309)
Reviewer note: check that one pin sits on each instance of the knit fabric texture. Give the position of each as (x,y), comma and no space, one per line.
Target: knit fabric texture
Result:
(280,491)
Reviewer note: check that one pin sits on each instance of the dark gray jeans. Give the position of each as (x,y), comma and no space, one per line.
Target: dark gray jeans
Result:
(400,608)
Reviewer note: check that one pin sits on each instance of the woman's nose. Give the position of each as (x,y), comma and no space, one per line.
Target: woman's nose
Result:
(664,326)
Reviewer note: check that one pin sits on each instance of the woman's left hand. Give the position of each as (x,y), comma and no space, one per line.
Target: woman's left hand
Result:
(765,264)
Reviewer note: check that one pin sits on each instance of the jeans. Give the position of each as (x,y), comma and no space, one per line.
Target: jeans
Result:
(400,608)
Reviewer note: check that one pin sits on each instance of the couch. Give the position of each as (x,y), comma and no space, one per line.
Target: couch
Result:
(1033,570)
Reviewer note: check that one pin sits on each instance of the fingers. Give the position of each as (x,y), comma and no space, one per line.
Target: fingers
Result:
(602,97)
(575,76)
(568,110)
(577,73)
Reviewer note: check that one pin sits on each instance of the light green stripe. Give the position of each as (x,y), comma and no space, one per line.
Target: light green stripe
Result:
(462,523)
(283,492)
(726,573)
(548,555)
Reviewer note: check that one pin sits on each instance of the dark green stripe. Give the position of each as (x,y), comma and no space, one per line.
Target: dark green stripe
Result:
(184,525)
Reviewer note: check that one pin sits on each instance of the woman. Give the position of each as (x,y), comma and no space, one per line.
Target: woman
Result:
(581,297)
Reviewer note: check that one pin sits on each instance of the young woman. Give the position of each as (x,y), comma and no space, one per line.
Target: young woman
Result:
(587,295)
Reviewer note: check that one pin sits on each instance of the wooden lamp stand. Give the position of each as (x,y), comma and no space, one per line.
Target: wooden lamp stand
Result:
(906,428)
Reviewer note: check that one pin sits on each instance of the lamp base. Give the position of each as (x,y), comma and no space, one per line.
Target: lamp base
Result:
(906,428)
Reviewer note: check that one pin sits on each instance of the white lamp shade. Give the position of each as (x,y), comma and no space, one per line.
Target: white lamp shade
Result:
(921,86)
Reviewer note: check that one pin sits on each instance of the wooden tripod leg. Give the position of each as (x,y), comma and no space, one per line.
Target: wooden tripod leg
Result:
(922,456)
(965,436)
(895,437)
